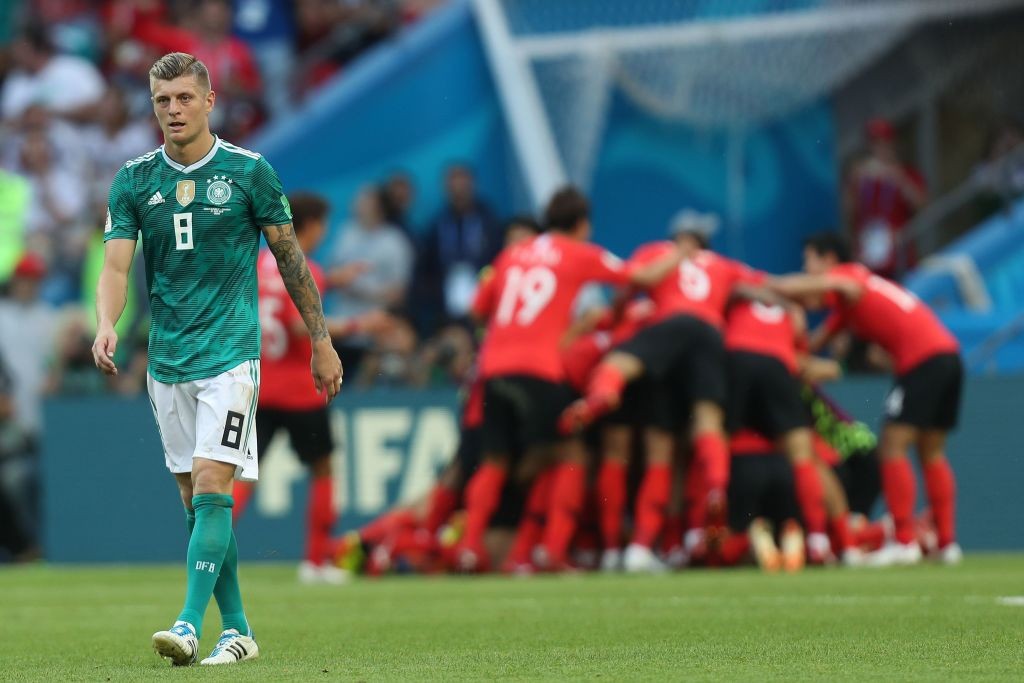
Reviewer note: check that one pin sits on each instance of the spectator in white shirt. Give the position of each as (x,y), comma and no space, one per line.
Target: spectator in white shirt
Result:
(67,86)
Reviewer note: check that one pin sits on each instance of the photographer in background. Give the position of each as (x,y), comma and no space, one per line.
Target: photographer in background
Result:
(882,194)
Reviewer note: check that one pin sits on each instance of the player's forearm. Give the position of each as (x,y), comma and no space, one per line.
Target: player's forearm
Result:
(111,297)
(819,337)
(797,286)
(298,280)
(653,273)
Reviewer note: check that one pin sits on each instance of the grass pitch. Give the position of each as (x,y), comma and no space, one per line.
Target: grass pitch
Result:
(918,623)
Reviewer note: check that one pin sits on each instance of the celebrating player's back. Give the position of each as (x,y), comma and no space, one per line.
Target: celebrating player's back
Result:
(701,287)
(888,315)
(529,302)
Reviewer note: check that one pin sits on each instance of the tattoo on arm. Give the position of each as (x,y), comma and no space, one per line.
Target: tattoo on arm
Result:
(297,278)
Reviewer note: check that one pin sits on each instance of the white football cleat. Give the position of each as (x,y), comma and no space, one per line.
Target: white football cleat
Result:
(853,557)
(639,559)
(311,574)
(231,648)
(951,555)
(819,549)
(178,644)
(611,560)
(895,554)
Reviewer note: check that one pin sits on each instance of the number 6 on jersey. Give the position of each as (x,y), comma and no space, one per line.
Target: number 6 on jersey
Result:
(529,290)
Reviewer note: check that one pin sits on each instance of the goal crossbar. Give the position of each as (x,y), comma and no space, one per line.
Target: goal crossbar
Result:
(698,33)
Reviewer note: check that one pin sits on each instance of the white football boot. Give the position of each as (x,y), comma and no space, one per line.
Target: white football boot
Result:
(231,648)
(178,644)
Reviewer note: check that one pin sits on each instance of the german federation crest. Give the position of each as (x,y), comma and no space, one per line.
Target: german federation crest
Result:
(218,190)
(185,192)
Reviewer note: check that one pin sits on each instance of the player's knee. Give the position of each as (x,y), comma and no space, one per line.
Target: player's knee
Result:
(931,446)
(660,446)
(708,418)
(184,482)
(616,443)
(211,476)
(629,365)
(798,445)
(320,468)
(896,441)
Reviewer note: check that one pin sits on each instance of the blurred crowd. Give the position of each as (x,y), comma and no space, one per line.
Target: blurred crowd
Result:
(883,192)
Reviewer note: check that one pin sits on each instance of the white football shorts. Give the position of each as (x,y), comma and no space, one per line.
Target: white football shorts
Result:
(211,418)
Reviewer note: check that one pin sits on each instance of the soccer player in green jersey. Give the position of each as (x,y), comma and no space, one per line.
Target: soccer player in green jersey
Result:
(200,205)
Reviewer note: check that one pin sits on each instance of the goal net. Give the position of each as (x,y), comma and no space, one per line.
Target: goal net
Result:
(723,64)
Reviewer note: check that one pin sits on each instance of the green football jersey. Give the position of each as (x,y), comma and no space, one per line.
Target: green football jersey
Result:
(200,228)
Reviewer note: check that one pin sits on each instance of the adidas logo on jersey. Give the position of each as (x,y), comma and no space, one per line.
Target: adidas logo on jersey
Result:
(157,198)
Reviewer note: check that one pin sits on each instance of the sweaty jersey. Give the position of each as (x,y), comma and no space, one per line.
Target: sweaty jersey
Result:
(286,382)
(200,229)
(528,301)
(759,328)
(700,286)
(890,316)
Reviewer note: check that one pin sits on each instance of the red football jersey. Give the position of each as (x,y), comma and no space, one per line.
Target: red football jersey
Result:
(286,382)
(760,328)
(583,355)
(528,302)
(890,316)
(699,287)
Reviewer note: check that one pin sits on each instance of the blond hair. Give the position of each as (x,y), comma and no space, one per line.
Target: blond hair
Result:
(175,64)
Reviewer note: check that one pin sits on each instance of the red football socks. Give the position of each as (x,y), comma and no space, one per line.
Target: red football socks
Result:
(900,491)
(611,500)
(483,493)
(388,524)
(839,532)
(320,518)
(566,502)
(531,527)
(871,536)
(941,487)
(441,506)
(810,495)
(651,504)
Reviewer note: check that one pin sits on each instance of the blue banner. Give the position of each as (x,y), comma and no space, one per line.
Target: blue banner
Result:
(108,497)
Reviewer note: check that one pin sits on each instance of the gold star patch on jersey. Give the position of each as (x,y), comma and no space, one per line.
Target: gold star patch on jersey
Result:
(185,192)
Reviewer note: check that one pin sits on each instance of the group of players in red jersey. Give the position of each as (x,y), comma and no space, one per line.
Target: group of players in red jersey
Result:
(707,366)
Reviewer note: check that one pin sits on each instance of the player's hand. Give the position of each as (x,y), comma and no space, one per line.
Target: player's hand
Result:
(103,349)
(326,368)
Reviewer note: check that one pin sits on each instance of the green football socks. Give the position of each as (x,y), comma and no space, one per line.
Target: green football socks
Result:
(208,549)
(226,592)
